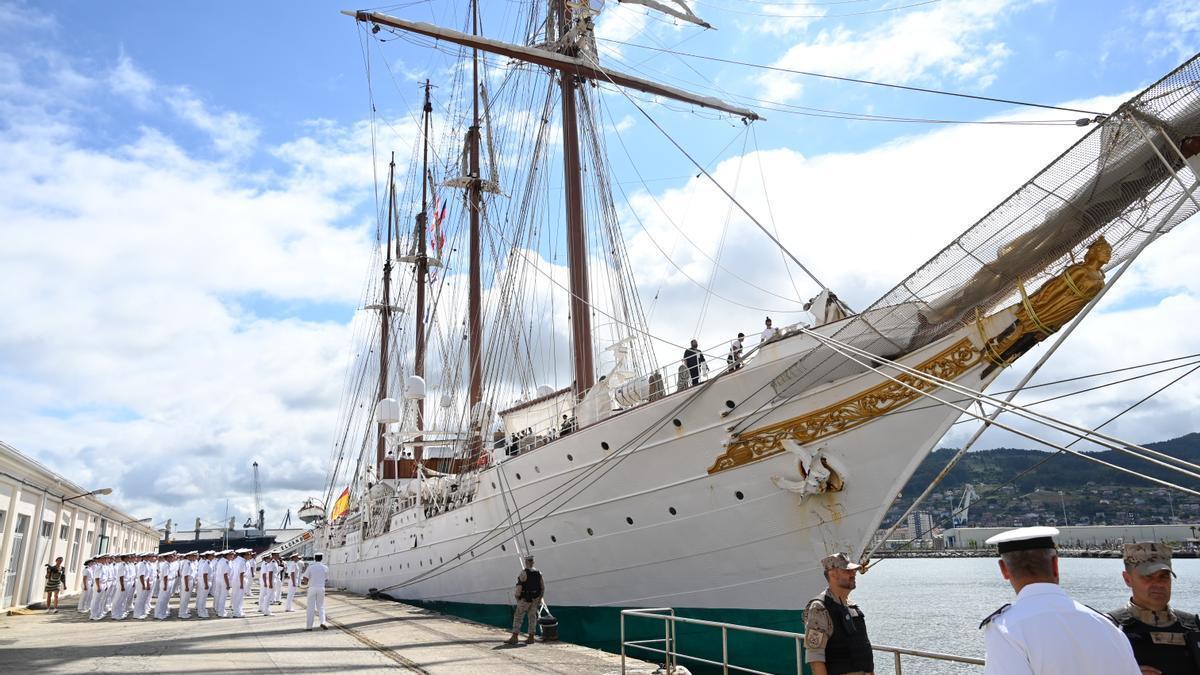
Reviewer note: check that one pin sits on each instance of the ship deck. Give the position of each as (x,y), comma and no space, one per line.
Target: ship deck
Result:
(365,636)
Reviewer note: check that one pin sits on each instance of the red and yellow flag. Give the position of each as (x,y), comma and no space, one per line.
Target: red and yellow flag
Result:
(341,506)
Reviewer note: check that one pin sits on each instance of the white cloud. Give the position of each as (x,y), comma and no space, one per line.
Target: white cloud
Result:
(232,133)
(1172,28)
(949,41)
(128,80)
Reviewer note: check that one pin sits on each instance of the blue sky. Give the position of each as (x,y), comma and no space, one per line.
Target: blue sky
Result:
(188,216)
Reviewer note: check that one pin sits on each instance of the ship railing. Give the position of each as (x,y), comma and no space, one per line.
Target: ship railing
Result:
(667,645)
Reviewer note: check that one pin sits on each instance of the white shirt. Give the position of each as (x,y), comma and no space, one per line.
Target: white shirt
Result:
(316,574)
(1045,632)
(768,333)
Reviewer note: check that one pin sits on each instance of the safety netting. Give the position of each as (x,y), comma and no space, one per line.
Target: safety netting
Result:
(1124,181)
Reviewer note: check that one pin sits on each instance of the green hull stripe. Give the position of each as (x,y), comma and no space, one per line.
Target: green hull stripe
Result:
(600,628)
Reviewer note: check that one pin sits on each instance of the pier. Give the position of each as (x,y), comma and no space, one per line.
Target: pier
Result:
(364,636)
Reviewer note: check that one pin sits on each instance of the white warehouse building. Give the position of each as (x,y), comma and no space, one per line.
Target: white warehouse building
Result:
(43,516)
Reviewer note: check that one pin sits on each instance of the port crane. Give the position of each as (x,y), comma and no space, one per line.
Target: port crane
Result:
(962,514)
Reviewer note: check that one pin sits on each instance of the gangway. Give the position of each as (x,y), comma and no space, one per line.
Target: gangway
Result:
(666,646)
(292,544)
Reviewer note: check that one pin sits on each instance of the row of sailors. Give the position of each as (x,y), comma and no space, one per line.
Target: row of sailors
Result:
(138,584)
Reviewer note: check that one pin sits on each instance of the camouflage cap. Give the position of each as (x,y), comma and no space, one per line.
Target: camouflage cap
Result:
(1148,557)
(838,561)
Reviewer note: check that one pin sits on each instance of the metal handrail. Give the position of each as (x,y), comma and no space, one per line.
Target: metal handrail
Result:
(672,656)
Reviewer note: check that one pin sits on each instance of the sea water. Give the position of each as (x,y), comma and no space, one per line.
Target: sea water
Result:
(936,604)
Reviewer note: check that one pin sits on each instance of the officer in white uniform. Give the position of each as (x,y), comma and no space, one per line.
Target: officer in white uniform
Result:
(1044,631)
(187,580)
(292,570)
(204,582)
(111,562)
(315,576)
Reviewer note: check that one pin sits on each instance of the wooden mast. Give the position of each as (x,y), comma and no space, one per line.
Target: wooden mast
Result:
(475,196)
(422,274)
(581,311)
(571,67)
(386,469)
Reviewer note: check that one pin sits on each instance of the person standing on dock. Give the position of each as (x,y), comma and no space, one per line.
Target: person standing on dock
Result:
(101,582)
(530,589)
(315,576)
(835,631)
(1165,640)
(1044,631)
(124,574)
(241,573)
(187,579)
(266,588)
(168,570)
(293,576)
(85,595)
(143,583)
(204,580)
(225,579)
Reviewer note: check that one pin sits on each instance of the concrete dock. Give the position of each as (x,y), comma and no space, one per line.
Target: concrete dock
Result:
(364,636)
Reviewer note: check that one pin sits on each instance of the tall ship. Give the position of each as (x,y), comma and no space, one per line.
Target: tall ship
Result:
(639,483)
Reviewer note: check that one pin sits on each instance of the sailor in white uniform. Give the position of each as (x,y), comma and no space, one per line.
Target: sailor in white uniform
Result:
(168,570)
(292,571)
(204,582)
(187,580)
(223,582)
(123,575)
(266,585)
(85,595)
(1044,631)
(241,574)
(276,598)
(101,583)
(315,576)
(143,584)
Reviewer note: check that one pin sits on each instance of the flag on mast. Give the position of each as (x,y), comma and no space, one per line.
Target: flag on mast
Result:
(341,506)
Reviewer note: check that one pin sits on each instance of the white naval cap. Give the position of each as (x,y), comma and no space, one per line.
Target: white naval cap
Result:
(1024,539)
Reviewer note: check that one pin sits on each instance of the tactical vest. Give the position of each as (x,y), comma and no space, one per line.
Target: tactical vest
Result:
(1174,649)
(532,588)
(849,648)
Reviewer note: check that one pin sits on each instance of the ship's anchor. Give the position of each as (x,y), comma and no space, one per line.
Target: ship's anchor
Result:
(818,473)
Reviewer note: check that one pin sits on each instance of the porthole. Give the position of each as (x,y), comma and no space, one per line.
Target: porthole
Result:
(629,520)
(676,422)
(502,547)
(493,485)
(570,458)
(604,445)
(730,404)
(590,533)
(536,469)
(518,476)
(439,559)
(553,539)
(672,510)
(739,495)
(531,543)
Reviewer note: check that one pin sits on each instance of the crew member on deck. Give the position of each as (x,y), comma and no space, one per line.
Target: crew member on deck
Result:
(1165,640)
(1044,631)
(835,631)
(770,332)
(693,358)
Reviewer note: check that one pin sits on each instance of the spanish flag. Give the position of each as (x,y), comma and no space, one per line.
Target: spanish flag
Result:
(341,506)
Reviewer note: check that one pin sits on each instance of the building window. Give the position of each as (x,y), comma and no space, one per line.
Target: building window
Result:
(47,529)
(2,516)
(75,550)
(62,532)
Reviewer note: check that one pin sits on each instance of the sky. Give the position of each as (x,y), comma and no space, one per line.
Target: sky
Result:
(187,215)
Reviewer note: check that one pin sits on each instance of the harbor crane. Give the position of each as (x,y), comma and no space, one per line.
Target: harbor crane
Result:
(962,514)
(257,523)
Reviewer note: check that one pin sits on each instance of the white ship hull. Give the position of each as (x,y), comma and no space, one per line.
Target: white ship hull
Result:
(656,528)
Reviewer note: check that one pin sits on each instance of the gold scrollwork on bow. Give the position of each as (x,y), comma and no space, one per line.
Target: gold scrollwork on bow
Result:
(845,415)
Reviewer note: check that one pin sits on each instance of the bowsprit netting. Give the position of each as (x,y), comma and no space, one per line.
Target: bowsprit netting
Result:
(1111,184)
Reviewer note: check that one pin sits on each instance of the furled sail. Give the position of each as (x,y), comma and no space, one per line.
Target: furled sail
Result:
(1117,182)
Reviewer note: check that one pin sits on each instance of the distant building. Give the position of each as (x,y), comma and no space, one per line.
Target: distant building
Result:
(1090,536)
(43,516)
(920,525)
